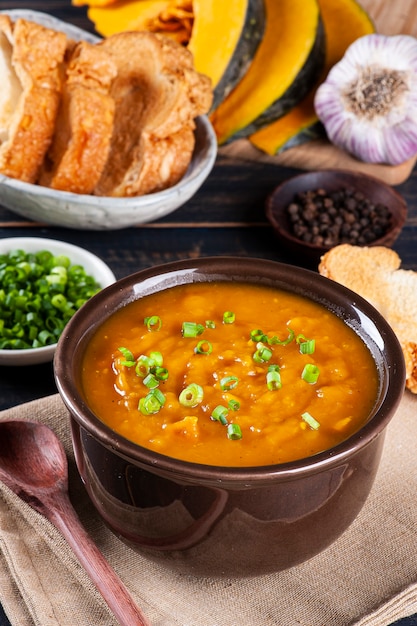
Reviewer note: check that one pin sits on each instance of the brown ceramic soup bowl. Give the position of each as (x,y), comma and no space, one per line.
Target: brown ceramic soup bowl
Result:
(226,521)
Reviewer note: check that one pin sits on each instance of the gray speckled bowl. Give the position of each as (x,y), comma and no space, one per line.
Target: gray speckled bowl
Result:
(84,212)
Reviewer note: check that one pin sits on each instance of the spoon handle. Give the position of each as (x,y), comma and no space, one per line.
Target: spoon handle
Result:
(112,589)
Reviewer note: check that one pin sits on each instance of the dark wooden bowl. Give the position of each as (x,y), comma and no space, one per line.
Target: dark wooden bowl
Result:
(331,180)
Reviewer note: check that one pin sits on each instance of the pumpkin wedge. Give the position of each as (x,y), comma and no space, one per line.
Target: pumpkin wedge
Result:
(222,36)
(287,63)
(224,40)
(344,21)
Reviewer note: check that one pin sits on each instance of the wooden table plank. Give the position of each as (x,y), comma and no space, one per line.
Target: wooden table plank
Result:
(393,16)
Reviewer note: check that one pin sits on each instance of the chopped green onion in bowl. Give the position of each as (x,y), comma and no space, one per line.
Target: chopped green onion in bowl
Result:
(43,282)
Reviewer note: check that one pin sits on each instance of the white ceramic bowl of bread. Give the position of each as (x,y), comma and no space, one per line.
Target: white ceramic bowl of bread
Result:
(93,266)
(88,211)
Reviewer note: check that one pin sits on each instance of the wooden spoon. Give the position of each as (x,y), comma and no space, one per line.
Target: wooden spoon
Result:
(33,465)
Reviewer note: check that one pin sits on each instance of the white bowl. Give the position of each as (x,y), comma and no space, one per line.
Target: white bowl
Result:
(93,266)
(84,212)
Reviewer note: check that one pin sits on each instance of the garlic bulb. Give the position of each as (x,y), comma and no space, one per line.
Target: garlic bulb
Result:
(368,102)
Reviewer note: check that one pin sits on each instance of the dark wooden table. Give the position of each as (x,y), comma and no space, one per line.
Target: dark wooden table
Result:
(226,217)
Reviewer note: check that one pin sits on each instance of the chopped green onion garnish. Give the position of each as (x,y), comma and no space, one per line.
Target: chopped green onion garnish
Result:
(282,342)
(157,358)
(55,279)
(152,403)
(129,358)
(258,335)
(161,373)
(59,301)
(233,405)
(192,329)
(310,373)
(153,323)
(234,431)
(61,261)
(157,393)
(220,414)
(146,366)
(143,365)
(228,383)
(203,347)
(45,338)
(228,317)
(151,381)
(262,354)
(192,395)
(273,380)
(38,282)
(310,420)
(210,324)
(307,346)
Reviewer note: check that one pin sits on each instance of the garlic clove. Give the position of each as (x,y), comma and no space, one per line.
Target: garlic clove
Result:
(368,102)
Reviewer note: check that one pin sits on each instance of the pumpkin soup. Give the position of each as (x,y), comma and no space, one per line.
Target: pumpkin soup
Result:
(231,374)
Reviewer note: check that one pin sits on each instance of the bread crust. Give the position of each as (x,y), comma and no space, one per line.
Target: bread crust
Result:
(157,94)
(375,274)
(159,163)
(84,125)
(37,54)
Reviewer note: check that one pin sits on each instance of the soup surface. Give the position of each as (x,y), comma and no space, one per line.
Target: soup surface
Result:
(255,376)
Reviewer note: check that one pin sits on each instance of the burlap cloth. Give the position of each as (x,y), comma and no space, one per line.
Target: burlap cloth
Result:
(367,578)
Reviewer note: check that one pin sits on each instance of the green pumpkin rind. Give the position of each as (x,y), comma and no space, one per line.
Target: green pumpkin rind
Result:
(244,52)
(304,135)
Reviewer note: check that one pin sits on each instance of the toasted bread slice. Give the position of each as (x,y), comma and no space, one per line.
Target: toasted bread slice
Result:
(375,274)
(161,163)
(31,78)
(157,95)
(84,126)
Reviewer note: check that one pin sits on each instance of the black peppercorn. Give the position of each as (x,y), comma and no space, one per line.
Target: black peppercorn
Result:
(331,218)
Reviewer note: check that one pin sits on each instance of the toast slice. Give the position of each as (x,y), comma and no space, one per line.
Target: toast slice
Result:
(84,125)
(31,59)
(374,273)
(160,163)
(157,95)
